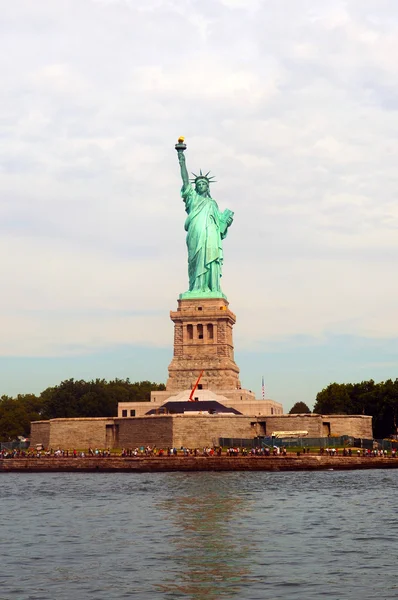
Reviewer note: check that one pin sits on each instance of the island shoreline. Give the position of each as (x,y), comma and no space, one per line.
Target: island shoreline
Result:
(153,464)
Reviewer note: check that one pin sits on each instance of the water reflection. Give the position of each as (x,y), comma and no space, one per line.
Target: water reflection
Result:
(212,555)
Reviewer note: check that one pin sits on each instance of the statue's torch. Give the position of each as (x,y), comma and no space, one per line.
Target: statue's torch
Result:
(180,145)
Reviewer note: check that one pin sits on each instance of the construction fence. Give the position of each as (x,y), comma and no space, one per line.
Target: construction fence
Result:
(16,445)
(344,441)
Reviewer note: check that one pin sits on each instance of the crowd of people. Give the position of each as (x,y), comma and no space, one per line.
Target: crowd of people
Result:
(59,453)
(150,451)
(366,452)
(380,453)
(154,451)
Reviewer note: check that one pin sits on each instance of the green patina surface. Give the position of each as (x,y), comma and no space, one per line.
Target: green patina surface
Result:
(206,228)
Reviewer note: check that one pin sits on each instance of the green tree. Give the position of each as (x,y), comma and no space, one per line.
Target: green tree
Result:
(16,415)
(333,399)
(378,400)
(382,404)
(96,398)
(299,408)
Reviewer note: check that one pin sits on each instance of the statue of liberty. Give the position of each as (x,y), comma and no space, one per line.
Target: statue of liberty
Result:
(206,227)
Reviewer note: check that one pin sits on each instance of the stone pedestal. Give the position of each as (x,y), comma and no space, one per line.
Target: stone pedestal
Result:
(203,341)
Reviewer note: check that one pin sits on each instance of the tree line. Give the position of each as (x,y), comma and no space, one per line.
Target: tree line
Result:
(99,398)
(379,400)
(96,398)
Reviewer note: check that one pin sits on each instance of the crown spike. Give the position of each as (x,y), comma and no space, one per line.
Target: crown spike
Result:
(209,178)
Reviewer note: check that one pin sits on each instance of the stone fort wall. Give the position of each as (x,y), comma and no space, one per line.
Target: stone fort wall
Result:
(145,431)
(188,430)
(70,433)
(199,431)
(358,426)
(40,433)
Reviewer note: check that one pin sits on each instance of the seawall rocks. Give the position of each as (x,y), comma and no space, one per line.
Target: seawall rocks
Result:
(199,463)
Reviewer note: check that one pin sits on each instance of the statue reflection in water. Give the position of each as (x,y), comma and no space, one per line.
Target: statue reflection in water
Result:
(212,555)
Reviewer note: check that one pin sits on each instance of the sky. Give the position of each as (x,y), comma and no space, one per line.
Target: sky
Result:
(292,105)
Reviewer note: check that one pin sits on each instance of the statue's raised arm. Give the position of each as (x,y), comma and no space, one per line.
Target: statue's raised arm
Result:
(181,147)
(206,229)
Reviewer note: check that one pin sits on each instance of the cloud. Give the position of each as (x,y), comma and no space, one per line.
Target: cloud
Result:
(291,104)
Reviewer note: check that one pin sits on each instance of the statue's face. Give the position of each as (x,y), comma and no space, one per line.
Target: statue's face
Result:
(202,186)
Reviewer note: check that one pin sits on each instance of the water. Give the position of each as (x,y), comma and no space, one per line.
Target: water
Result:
(199,536)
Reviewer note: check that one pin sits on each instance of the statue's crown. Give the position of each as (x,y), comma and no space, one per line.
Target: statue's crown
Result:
(209,178)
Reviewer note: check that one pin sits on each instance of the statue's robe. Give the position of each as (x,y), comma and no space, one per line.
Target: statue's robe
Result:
(206,227)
